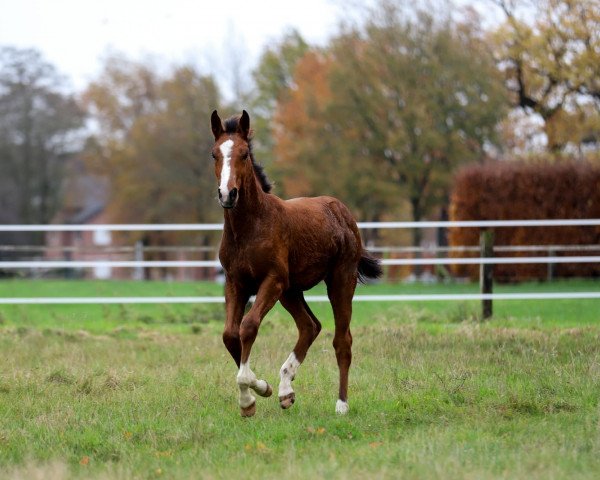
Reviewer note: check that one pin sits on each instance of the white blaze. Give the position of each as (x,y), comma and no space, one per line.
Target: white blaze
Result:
(225,148)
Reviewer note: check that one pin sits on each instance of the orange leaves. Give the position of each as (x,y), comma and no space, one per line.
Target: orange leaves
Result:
(163,453)
(301,114)
(316,431)
(258,447)
(375,120)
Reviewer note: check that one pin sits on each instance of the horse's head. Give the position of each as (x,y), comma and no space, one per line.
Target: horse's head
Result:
(233,159)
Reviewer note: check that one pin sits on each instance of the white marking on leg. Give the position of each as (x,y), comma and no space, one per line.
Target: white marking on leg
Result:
(341,407)
(287,374)
(246,379)
(225,148)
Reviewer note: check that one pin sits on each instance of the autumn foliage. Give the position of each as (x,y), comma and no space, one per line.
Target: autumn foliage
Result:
(507,191)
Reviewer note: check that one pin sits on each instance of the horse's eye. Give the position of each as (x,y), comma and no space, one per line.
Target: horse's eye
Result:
(213,155)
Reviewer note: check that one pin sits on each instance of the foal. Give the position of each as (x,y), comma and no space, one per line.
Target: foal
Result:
(276,250)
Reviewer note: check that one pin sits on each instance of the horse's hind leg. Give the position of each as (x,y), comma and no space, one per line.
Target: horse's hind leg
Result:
(308,329)
(340,289)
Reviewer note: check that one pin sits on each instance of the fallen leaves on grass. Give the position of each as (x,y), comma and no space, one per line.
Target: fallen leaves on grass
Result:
(316,431)
(258,447)
(163,454)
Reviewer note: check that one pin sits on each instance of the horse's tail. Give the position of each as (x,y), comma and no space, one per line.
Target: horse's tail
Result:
(368,267)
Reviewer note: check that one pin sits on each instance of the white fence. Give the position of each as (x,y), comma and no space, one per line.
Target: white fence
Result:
(194,227)
(550,259)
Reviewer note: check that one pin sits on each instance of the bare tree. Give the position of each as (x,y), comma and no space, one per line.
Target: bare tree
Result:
(39,125)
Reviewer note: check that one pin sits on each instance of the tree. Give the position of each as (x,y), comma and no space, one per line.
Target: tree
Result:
(154,144)
(551,63)
(274,75)
(39,129)
(274,79)
(313,155)
(412,97)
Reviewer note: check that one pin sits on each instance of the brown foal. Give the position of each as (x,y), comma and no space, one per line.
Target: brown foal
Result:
(276,250)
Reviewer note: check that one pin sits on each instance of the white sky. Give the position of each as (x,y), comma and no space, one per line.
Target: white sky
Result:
(74,35)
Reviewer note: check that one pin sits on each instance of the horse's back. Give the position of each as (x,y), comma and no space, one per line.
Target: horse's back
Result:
(322,216)
(322,233)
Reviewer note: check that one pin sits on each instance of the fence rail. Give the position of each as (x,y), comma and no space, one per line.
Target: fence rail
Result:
(551,258)
(308,298)
(215,264)
(147,227)
(433,249)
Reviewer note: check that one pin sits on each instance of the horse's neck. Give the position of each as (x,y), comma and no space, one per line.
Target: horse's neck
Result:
(251,210)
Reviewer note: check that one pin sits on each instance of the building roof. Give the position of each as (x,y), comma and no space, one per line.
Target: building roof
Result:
(85,195)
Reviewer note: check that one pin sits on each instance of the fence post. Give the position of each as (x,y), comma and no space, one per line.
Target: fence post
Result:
(550,276)
(486,271)
(138,272)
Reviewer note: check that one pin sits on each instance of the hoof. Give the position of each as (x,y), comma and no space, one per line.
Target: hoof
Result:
(248,411)
(268,392)
(287,400)
(341,407)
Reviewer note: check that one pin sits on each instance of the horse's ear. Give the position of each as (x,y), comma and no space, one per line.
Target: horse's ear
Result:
(244,125)
(216,125)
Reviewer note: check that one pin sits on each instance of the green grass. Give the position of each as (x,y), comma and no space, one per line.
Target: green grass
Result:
(149,391)
(102,318)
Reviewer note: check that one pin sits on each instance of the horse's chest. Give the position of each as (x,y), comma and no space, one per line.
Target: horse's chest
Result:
(250,264)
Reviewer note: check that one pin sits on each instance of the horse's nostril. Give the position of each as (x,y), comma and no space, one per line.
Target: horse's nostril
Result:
(233,194)
(219,193)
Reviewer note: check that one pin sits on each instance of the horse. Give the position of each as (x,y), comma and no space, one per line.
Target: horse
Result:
(276,250)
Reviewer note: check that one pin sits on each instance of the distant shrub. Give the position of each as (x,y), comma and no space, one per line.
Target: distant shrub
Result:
(511,190)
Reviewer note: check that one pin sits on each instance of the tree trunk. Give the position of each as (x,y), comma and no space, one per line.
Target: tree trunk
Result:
(26,171)
(442,232)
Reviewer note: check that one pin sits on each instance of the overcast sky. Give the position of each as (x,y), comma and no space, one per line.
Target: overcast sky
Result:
(74,35)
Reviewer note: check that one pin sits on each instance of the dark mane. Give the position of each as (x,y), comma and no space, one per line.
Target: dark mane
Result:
(231,127)
(231,124)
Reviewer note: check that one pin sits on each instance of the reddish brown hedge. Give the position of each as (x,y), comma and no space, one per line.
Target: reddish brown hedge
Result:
(510,190)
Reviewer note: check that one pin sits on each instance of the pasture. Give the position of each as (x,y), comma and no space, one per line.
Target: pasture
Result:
(149,391)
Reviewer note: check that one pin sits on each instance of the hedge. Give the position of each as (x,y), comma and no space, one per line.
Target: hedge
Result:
(514,191)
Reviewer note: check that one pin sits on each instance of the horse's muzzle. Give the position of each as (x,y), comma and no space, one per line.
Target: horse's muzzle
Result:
(230,200)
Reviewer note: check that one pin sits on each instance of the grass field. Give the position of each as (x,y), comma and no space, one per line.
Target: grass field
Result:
(149,391)
(103,318)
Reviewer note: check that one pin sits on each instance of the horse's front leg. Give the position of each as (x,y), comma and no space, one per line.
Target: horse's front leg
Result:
(268,294)
(235,303)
